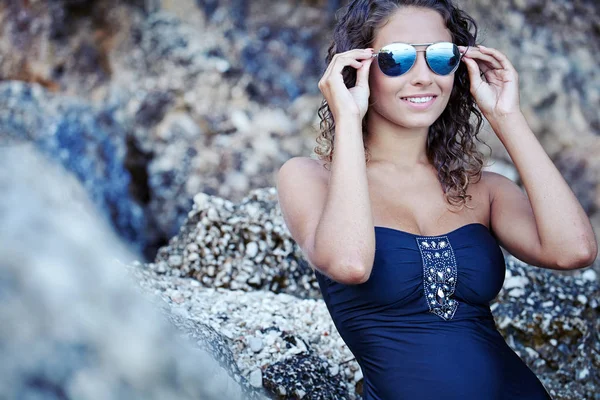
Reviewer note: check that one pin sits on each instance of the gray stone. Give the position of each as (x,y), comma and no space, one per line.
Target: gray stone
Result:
(255,344)
(69,306)
(256,378)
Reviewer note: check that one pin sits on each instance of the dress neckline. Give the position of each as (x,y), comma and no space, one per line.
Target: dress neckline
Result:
(472,224)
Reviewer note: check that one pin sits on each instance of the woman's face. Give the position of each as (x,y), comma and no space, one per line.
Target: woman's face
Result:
(410,25)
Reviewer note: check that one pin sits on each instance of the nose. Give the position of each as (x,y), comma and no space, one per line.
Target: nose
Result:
(421,74)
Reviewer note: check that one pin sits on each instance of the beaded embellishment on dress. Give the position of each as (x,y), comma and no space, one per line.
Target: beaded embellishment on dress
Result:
(439,275)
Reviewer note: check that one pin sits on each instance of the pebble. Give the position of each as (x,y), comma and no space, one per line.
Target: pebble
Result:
(358,375)
(256,344)
(530,301)
(175,261)
(226,333)
(251,249)
(255,378)
(334,370)
(160,267)
(516,292)
(200,200)
(589,275)
(583,374)
(531,352)
(515,281)
(582,299)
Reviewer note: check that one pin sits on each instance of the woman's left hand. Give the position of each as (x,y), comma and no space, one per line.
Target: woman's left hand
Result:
(494,81)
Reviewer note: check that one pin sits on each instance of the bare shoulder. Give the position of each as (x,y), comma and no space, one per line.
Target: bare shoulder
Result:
(496,184)
(311,168)
(300,177)
(302,191)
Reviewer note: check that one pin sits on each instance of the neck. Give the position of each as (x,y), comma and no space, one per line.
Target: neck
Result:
(400,146)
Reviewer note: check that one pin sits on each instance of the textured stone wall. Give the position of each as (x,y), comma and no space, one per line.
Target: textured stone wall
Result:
(214,95)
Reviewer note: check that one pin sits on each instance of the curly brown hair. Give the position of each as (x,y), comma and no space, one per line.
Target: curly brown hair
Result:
(451,141)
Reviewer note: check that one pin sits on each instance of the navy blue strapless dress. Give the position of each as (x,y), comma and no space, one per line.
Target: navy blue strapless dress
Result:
(421,326)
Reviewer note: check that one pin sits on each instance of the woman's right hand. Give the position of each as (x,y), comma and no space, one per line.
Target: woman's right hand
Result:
(341,100)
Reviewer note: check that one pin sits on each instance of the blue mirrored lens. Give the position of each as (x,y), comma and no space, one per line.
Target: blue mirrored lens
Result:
(443,58)
(396,59)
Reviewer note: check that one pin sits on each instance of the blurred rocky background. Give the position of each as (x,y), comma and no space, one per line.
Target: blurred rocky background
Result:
(173,117)
(73,324)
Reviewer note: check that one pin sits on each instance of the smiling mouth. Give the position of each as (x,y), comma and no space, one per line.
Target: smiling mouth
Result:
(419,103)
(419,100)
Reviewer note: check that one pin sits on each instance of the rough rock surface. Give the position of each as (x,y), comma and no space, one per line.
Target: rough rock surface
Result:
(242,246)
(216,104)
(553,322)
(214,95)
(72,324)
(303,376)
(196,87)
(263,328)
(86,140)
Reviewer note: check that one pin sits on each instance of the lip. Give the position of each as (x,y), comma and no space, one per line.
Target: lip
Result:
(421,95)
(419,106)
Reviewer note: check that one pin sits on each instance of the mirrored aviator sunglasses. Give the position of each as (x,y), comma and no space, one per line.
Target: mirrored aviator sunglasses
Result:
(396,59)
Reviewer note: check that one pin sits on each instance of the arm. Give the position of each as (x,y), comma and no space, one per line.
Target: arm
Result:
(330,218)
(548,227)
(345,231)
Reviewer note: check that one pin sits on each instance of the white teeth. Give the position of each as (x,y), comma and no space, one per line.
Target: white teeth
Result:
(418,99)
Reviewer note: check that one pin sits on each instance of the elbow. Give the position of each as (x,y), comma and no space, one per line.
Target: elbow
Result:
(582,258)
(358,275)
(349,270)
(361,276)
(349,274)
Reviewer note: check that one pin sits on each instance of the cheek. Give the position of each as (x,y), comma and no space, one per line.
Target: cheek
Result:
(448,85)
(379,85)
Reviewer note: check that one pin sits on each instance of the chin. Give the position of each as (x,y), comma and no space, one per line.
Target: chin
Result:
(424,122)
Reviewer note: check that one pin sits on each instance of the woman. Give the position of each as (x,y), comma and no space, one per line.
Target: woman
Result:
(399,222)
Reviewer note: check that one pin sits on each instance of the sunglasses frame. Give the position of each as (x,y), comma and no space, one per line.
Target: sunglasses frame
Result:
(421,51)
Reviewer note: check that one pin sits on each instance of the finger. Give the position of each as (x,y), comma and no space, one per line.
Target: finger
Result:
(489,60)
(353,63)
(484,67)
(340,61)
(353,59)
(334,61)
(474,72)
(359,54)
(362,75)
(502,59)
